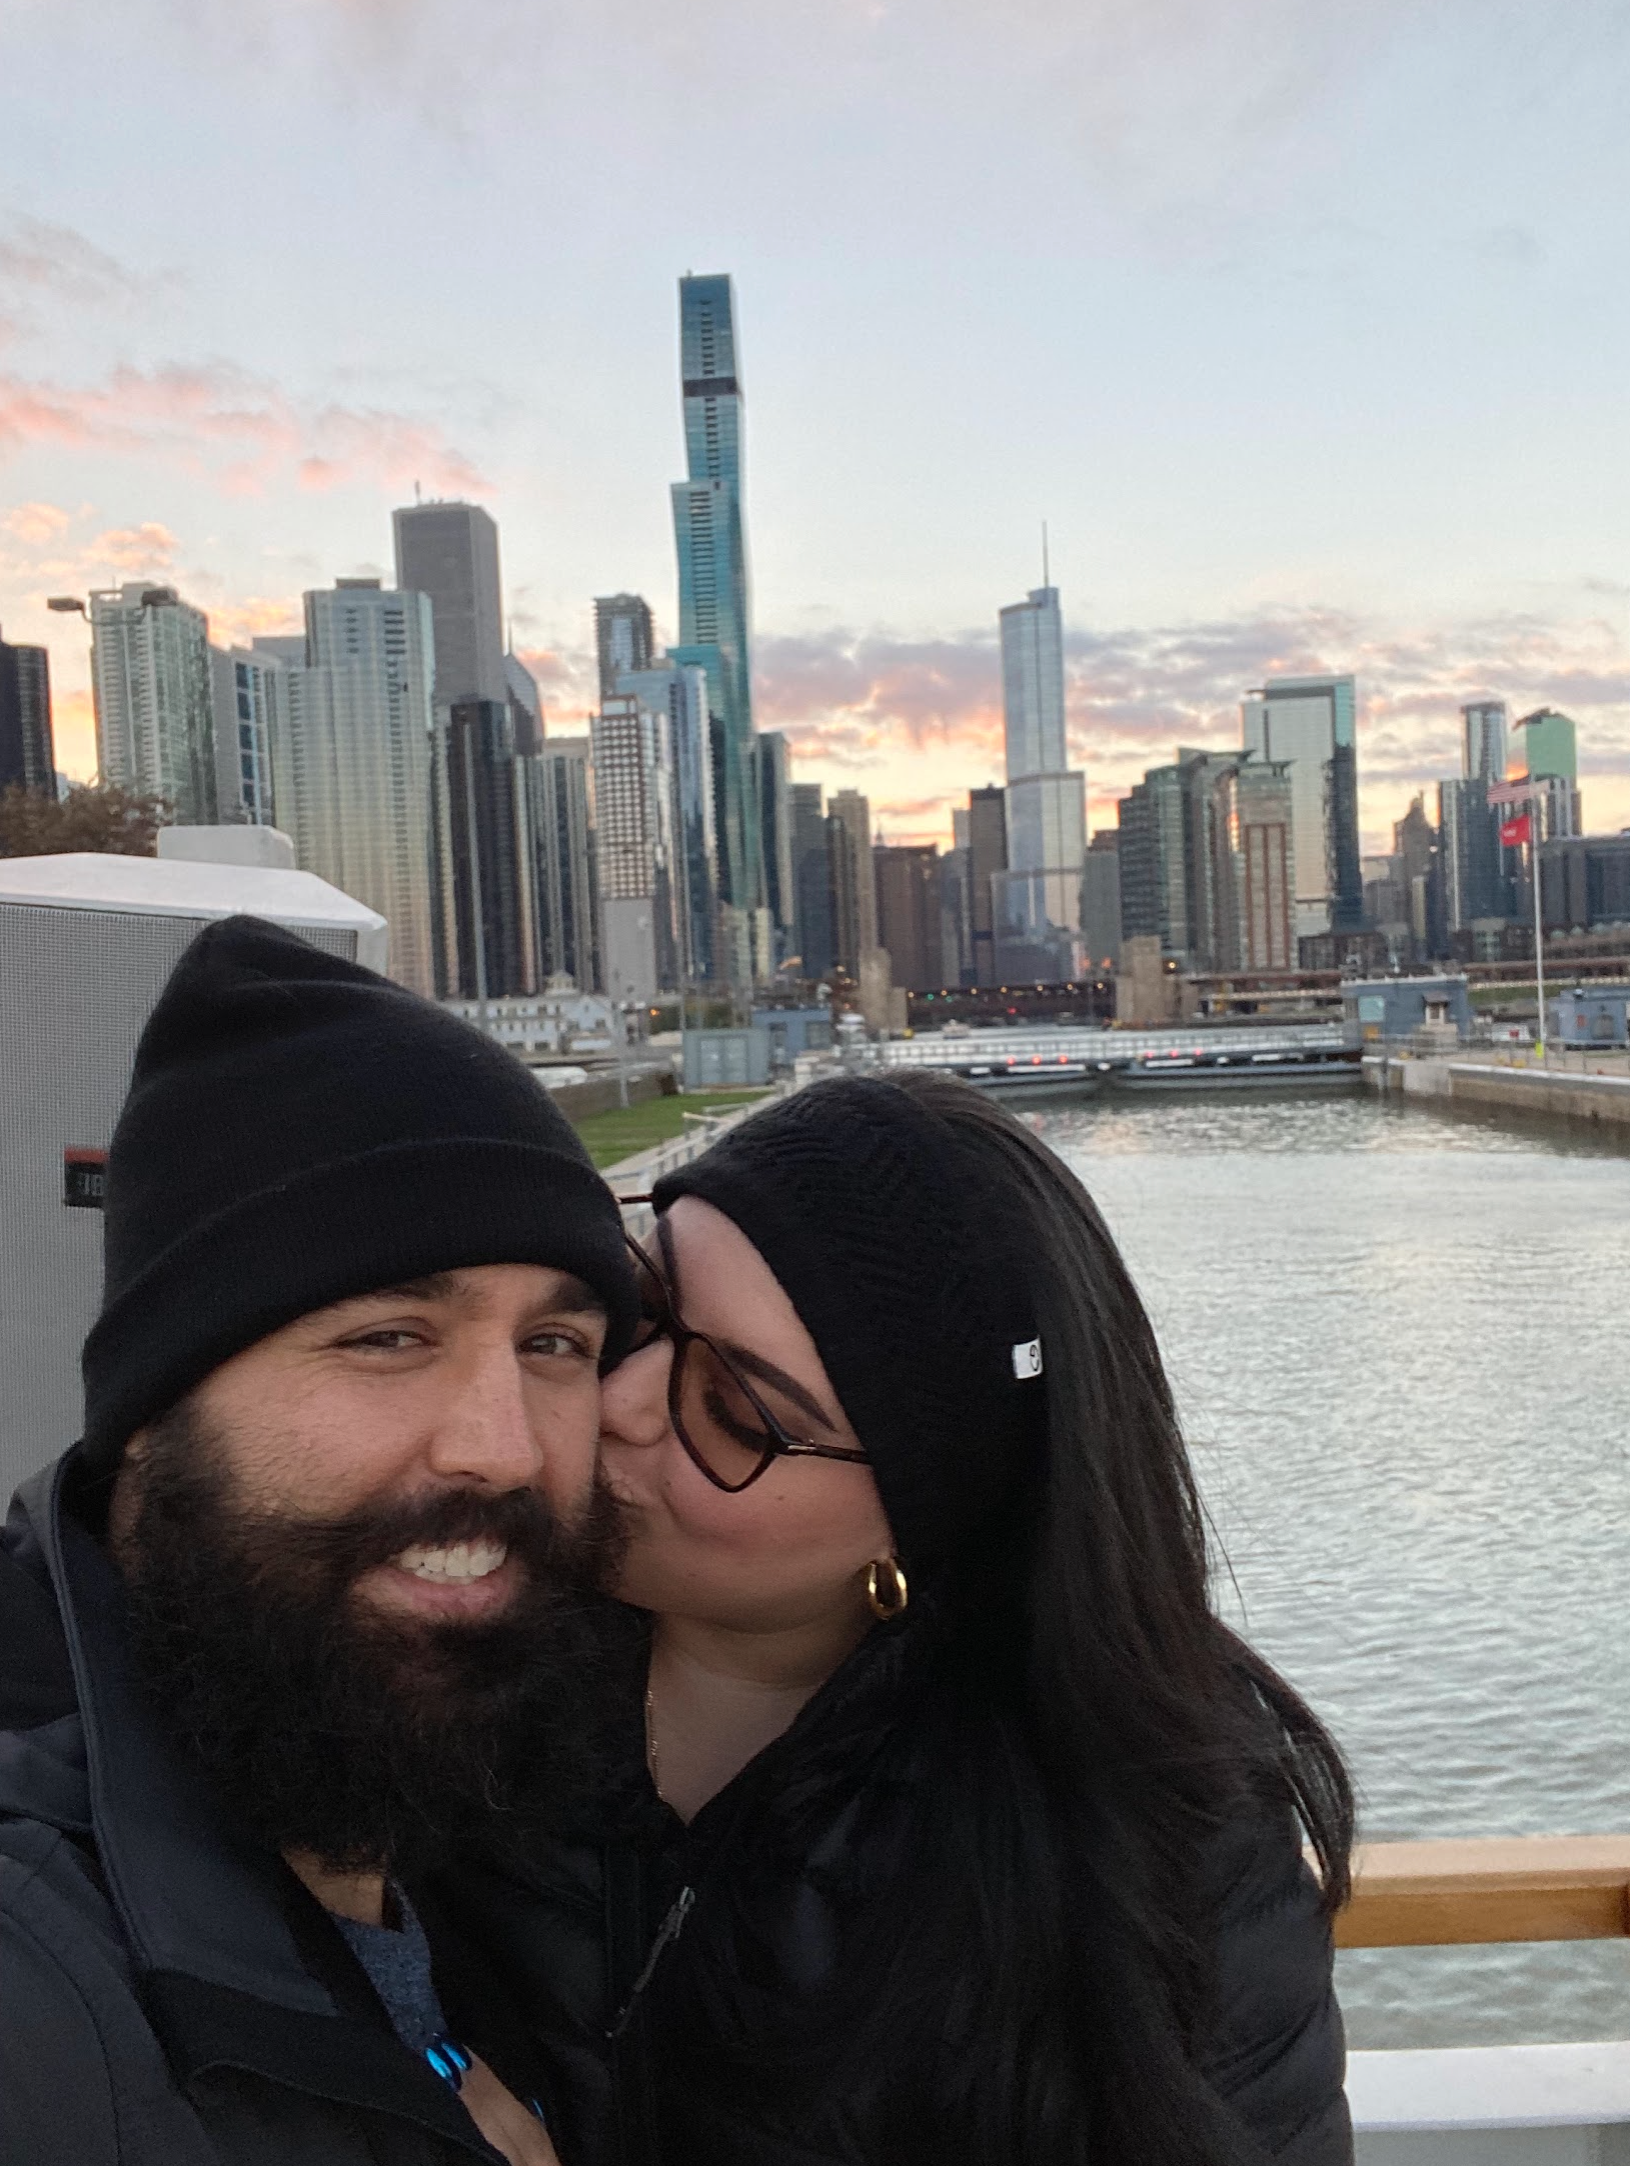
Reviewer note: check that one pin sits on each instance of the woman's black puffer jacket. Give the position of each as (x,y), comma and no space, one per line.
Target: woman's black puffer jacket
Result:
(600,1939)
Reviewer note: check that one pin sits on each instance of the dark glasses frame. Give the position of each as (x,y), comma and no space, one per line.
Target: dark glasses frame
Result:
(779,1441)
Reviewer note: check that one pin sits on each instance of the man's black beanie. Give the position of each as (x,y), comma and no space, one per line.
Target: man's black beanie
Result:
(300,1130)
(908,1270)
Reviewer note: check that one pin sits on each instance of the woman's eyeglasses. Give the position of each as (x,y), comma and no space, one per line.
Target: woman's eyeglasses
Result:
(731,1428)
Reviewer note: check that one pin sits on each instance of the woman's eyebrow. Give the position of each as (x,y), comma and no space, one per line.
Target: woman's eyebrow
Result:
(743,1356)
(768,1373)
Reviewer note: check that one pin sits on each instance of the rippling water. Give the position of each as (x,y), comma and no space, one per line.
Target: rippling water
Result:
(1399,1341)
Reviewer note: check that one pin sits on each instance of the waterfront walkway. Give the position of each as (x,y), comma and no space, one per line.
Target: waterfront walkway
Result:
(1491,1081)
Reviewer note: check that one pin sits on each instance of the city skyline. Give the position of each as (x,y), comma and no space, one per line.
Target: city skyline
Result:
(1279,463)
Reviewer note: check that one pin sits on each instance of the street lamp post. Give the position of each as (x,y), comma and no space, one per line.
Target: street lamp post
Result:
(625,1011)
(1534,831)
(1529,791)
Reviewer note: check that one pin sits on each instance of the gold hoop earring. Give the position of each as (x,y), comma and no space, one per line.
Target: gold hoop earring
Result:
(892,1604)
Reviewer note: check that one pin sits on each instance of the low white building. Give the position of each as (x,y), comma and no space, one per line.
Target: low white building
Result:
(558,1021)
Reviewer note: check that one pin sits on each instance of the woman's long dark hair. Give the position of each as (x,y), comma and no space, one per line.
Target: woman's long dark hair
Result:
(1091,1726)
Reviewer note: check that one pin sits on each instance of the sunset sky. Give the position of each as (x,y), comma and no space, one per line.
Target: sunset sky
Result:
(1305,324)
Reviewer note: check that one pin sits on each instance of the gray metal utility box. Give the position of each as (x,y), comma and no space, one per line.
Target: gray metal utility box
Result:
(86,944)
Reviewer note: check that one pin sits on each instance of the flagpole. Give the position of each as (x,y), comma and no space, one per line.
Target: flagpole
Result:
(1536,828)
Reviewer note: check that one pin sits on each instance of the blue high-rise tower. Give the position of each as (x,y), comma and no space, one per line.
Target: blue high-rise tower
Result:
(711,542)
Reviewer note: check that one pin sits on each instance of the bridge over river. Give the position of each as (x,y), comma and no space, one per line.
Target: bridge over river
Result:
(1078,1059)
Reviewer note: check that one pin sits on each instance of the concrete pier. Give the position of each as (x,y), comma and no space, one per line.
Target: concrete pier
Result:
(1487,1085)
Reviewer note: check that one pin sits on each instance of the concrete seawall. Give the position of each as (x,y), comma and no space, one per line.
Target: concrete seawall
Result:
(1553,1094)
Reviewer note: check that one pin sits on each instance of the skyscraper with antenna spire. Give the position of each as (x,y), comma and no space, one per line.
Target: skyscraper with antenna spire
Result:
(1038,907)
(710,538)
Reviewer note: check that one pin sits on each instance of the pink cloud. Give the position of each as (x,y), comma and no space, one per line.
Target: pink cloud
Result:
(235,624)
(36,525)
(246,429)
(569,685)
(148,547)
(894,716)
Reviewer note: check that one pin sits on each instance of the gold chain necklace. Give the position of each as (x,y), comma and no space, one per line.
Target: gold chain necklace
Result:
(651,1741)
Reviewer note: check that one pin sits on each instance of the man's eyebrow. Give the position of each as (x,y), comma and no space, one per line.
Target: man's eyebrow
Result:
(572,1297)
(768,1373)
(434,1286)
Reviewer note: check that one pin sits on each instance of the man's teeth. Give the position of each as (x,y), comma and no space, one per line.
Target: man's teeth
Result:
(462,1562)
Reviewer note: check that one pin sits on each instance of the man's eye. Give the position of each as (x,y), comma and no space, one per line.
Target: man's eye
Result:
(388,1339)
(555,1343)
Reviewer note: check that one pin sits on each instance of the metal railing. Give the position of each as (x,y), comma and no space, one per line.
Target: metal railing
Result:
(639,1174)
(1540,2105)
(1558,1059)
(1501,1888)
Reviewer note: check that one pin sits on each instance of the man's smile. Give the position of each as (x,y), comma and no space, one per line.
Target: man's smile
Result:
(461,1579)
(460,1561)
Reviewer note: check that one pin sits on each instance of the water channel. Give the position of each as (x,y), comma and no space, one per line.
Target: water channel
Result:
(1401,1344)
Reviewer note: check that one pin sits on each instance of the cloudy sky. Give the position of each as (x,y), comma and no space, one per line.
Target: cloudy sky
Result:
(1305,324)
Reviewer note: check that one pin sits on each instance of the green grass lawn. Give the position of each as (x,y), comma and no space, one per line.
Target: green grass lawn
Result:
(618,1135)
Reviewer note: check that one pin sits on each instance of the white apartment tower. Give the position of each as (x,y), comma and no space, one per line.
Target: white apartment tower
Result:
(352,760)
(633,813)
(155,725)
(244,689)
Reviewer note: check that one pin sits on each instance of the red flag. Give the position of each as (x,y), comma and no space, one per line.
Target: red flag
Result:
(1514,831)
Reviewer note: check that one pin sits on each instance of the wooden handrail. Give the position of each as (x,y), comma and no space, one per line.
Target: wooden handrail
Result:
(1505,1888)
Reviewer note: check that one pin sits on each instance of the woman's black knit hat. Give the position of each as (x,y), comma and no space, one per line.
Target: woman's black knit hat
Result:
(300,1130)
(908,1272)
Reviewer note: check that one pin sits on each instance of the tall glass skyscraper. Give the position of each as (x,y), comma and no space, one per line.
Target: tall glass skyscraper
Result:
(1039,908)
(1483,740)
(561,784)
(1033,685)
(679,695)
(772,770)
(1551,744)
(1311,722)
(27,755)
(484,847)
(711,543)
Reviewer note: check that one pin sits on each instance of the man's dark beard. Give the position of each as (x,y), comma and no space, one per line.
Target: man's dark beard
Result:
(328,1725)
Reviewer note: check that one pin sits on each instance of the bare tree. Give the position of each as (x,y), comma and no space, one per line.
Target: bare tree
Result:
(96,816)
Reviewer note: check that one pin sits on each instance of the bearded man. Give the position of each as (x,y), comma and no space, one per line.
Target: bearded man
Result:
(310,1604)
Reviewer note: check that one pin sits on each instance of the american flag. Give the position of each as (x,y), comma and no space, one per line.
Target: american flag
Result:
(1510,793)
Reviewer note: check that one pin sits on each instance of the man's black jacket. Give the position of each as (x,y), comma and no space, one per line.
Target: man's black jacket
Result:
(169,1995)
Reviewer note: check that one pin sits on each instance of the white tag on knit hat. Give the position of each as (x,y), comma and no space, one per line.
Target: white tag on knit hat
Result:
(1027,1360)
